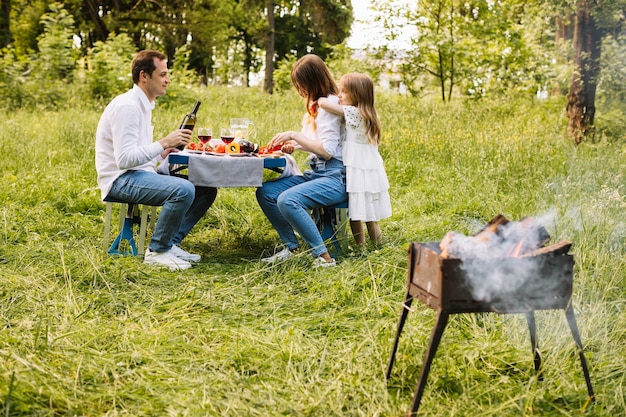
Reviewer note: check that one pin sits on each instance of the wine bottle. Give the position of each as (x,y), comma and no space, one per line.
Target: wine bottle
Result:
(189,122)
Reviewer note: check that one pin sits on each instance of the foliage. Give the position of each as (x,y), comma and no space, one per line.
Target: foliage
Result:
(486,48)
(180,68)
(41,79)
(82,333)
(25,25)
(612,83)
(109,66)
(12,94)
(226,38)
(56,57)
(282,74)
(184,80)
(342,61)
(474,48)
(315,28)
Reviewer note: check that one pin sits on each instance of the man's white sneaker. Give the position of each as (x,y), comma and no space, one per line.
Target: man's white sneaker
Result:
(165,259)
(278,257)
(184,255)
(323,263)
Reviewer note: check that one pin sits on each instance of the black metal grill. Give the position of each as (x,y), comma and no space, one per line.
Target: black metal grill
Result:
(449,286)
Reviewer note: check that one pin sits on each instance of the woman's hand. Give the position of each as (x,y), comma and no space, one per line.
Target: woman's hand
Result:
(292,140)
(283,139)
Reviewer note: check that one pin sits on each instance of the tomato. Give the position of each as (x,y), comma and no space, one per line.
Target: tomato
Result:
(263,150)
(191,146)
(220,148)
(276,148)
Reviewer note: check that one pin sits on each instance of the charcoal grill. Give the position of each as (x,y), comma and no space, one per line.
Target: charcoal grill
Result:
(451,286)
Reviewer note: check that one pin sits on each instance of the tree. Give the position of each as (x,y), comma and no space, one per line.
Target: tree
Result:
(5,23)
(295,28)
(26,25)
(587,44)
(248,23)
(108,66)
(56,59)
(225,39)
(268,81)
(594,19)
(476,47)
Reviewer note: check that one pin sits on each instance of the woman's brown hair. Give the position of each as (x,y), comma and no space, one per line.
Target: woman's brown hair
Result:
(312,78)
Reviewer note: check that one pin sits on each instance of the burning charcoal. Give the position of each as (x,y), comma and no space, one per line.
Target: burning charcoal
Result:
(557,249)
(457,245)
(498,239)
(492,227)
(522,237)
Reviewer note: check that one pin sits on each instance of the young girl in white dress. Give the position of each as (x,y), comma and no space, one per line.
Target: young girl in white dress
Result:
(366,180)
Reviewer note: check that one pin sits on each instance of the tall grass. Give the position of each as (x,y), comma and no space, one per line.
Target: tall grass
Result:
(82,333)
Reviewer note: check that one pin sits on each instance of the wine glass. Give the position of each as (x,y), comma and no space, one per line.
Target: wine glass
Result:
(227,135)
(204,136)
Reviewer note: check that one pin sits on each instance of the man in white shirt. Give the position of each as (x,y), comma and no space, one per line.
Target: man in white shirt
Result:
(126,158)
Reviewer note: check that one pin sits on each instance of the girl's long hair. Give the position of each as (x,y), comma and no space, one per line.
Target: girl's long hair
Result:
(360,87)
(312,78)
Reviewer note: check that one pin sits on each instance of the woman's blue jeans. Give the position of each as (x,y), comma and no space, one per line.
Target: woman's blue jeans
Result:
(183,204)
(287,203)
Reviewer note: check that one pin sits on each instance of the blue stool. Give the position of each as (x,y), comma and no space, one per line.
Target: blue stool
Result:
(130,215)
(332,222)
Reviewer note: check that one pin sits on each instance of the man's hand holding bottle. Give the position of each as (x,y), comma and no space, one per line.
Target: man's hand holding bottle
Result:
(176,140)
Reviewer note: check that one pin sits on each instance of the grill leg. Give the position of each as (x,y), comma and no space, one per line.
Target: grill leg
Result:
(571,320)
(405,312)
(435,338)
(532,327)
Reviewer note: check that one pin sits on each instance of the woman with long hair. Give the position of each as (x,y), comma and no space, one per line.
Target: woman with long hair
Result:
(287,201)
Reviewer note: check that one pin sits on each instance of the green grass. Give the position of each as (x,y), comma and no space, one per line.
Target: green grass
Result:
(85,334)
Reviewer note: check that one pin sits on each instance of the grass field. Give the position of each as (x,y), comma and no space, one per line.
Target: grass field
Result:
(85,334)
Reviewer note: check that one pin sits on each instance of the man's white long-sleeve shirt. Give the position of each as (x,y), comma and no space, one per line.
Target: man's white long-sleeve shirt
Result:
(124,138)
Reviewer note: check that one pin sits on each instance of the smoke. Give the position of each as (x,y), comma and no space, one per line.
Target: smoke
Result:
(501,278)
(493,262)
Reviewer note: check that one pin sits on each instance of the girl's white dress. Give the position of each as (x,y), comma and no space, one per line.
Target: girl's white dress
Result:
(366,179)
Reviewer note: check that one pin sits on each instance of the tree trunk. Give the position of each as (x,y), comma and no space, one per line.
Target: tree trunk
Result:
(268,84)
(564,28)
(452,42)
(581,99)
(102,33)
(442,77)
(247,60)
(5,27)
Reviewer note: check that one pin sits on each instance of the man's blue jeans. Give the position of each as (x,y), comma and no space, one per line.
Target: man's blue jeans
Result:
(287,203)
(183,204)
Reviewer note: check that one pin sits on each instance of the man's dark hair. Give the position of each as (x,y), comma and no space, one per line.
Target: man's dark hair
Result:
(144,61)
